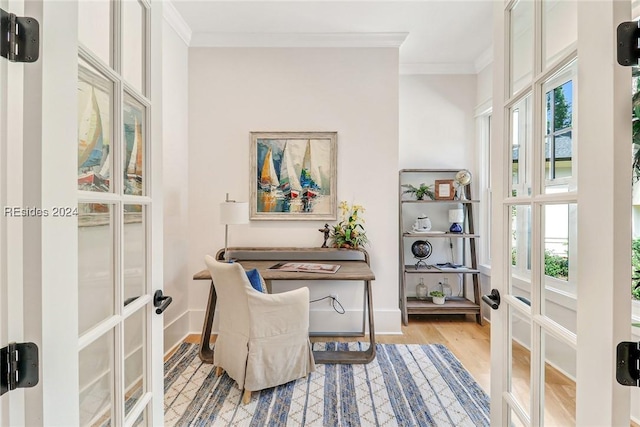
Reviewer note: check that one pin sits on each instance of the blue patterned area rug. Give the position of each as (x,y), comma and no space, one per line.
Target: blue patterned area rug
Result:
(406,385)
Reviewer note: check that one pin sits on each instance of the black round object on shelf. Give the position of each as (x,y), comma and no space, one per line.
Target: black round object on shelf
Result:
(421,249)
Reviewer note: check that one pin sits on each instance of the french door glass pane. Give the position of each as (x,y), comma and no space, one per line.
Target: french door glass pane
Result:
(520,142)
(134,358)
(559,28)
(96,381)
(96,284)
(520,378)
(94,27)
(134,245)
(559,388)
(515,147)
(559,225)
(95,103)
(133,55)
(520,280)
(134,141)
(521,24)
(559,143)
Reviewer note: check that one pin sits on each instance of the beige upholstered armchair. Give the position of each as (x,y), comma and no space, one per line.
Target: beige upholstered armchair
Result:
(263,339)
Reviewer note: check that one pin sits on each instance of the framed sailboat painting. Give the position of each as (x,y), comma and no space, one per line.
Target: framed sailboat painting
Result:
(293,175)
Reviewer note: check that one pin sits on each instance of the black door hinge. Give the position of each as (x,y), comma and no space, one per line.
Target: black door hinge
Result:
(19,37)
(627,41)
(19,366)
(628,363)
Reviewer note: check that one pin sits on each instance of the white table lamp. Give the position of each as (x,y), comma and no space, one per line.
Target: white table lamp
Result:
(232,212)
(456,218)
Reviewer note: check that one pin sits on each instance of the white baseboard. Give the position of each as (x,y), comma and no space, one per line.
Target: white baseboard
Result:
(176,331)
(386,322)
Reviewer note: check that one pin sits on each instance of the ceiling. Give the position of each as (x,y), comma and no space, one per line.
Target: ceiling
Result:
(440,35)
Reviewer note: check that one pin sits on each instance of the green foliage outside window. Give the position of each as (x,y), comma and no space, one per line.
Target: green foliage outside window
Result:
(556,266)
(635,120)
(635,262)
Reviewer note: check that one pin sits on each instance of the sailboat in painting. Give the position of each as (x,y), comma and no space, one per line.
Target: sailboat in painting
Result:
(93,153)
(134,165)
(268,177)
(289,182)
(309,175)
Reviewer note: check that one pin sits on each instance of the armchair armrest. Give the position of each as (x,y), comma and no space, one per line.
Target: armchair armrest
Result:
(278,314)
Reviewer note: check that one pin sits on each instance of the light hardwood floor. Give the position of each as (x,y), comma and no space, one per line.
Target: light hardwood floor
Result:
(470,343)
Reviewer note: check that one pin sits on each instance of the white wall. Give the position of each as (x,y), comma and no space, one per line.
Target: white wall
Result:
(175,138)
(436,121)
(484,87)
(354,91)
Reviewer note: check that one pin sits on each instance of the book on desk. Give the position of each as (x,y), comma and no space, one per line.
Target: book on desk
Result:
(306,267)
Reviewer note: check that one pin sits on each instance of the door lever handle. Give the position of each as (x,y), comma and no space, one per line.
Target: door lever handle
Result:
(493,299)
(161,302)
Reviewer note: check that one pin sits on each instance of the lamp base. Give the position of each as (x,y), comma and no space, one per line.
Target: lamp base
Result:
(455,228)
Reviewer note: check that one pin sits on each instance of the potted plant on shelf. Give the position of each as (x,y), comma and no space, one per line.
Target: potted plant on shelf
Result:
(437,297)
(419,192)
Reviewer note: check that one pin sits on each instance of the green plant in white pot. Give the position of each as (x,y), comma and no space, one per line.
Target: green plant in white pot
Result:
(437,297)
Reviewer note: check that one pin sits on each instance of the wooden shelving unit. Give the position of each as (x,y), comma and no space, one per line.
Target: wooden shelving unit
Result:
(465,304)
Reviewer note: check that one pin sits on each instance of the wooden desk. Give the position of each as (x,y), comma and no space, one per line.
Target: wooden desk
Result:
(350,269)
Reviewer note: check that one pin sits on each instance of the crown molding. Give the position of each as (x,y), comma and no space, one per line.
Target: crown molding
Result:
(393,40)
(432,68)
(177,22)
(484,59)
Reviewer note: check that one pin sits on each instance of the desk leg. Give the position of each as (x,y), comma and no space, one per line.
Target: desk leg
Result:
(371,351)
(206,352)
(353,356)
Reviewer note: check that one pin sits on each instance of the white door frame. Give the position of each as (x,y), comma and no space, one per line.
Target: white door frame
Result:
(604,200)
(11,305)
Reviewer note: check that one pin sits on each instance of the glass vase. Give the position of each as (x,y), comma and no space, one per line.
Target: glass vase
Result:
(421,290)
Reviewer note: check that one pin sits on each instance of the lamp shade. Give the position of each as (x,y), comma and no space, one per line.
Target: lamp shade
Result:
(234,213)
(456,215)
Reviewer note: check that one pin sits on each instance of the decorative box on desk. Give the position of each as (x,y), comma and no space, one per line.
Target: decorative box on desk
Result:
(354,265)
(422,251)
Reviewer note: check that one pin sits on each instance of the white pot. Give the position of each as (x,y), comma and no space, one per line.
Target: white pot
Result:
(438,300)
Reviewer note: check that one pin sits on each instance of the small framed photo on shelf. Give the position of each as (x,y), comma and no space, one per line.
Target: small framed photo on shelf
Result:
(444,189)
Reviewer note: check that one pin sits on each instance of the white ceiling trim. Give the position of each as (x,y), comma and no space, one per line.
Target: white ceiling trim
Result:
(174,18)
(298,39)
(484,59)
(428,68)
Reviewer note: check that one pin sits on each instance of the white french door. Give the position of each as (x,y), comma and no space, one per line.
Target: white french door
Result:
(82,142)
(119,215)
(561,180)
